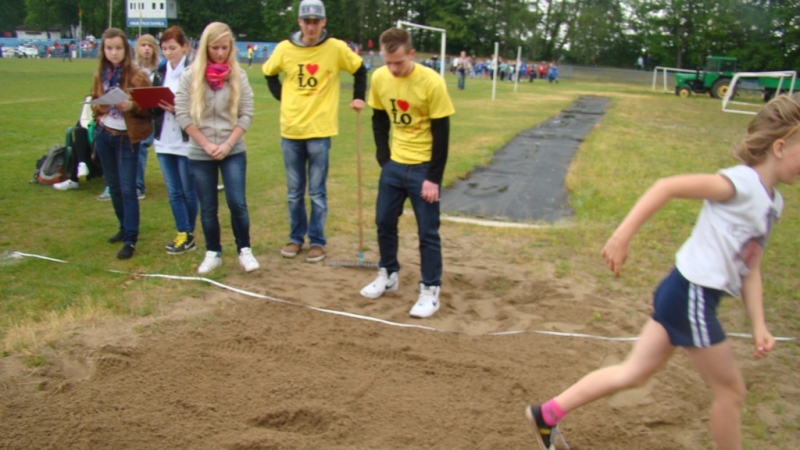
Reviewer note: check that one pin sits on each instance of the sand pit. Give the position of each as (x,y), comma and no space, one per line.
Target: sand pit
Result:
(227,371)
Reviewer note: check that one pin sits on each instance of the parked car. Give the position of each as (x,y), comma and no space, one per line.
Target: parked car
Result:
(27,51)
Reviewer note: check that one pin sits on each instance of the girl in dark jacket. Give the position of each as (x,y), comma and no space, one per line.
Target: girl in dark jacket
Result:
(121,128)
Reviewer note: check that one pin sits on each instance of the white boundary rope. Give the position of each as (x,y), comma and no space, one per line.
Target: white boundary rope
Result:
(19,255)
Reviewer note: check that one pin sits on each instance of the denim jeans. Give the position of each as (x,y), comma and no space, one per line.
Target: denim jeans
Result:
(120,161)
(460,79)
(180,190)
(206,177)
(306,161)
(398,182)
(142,165)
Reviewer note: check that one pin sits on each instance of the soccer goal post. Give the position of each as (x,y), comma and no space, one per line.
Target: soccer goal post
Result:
(771,83)
(664,72)
(442,62)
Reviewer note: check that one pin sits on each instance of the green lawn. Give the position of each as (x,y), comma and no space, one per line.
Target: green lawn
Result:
(644,136)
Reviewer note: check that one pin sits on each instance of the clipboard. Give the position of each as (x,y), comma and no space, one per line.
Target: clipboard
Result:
(149,97)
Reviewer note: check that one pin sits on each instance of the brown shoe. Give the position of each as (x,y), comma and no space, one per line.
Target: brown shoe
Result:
(291,250)
(315,254)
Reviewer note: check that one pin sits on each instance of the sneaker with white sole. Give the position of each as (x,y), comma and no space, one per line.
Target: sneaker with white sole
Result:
(315,254)
(183,242)
(66,185)
(211,262)
(83,169)
(384,283)
(104,196)
(247,260)
(427,302)
(291,250)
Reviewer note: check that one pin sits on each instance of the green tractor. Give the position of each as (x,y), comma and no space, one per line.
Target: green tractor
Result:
(714,80)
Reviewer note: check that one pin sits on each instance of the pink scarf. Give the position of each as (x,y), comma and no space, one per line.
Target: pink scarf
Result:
(216,75)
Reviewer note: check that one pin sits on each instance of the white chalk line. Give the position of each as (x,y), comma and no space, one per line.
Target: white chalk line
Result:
(19,255)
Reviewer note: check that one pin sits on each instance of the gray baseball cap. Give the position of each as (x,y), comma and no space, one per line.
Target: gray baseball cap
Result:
(311,9)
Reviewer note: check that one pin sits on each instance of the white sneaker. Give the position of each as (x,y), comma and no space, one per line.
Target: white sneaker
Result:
(247,260)
(211,262)
(66,185)
(384,283)
(83,169)
(427,303)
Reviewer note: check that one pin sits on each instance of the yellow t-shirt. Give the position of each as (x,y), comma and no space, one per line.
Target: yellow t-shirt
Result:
(310,91)
(411,103)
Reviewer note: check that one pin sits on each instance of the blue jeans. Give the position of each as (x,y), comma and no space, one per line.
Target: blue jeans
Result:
(233,170)
(180,190)
(142,163)
(398,182)
(461,76)
(297,155)
(120,161)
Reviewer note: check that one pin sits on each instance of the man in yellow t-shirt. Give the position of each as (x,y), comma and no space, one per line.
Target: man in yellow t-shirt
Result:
(311,62)
(412,101)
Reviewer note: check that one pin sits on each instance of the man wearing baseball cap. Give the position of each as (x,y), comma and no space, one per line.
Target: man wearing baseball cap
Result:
(311,62)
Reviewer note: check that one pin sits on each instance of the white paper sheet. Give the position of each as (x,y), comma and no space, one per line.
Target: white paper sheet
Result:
(113,96)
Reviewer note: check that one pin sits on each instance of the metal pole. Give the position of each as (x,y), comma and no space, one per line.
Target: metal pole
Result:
(444,40)
(80,33)
(494,70)
(110,3)
(516,77)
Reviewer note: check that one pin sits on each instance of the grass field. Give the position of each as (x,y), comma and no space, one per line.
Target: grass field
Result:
(644,136)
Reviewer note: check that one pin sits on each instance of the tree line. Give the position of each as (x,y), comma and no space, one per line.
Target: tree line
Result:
(763,34)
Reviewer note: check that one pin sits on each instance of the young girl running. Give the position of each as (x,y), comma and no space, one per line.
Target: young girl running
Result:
(214,105)
(172,144)
(722,256)
(120,130)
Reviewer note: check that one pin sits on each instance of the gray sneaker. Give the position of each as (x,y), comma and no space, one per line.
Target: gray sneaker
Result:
(105,196)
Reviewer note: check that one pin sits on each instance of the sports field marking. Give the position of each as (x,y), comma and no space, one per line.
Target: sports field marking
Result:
(18,255)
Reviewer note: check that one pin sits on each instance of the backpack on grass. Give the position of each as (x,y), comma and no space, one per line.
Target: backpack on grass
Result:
(54,166)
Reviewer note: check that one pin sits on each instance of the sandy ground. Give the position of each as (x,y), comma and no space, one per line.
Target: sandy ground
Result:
(226,371)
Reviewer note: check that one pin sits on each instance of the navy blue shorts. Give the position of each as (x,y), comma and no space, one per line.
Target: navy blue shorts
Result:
(688,312)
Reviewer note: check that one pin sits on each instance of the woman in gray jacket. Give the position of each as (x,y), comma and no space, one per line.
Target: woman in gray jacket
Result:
(214,106)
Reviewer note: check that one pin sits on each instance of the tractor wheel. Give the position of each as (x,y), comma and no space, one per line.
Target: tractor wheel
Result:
(683,92)
(720,87)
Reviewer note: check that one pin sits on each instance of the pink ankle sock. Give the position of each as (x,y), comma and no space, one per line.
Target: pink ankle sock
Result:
(552,413)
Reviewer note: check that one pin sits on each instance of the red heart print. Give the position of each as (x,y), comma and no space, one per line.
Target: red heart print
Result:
(312,68)
(403,105)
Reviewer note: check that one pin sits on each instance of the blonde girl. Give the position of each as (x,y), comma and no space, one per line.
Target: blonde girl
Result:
(147,55)
(721,257)
(147,58)
(120,130)
(214,105)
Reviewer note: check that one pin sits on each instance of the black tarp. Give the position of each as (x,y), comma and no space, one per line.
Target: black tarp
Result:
(525,180)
